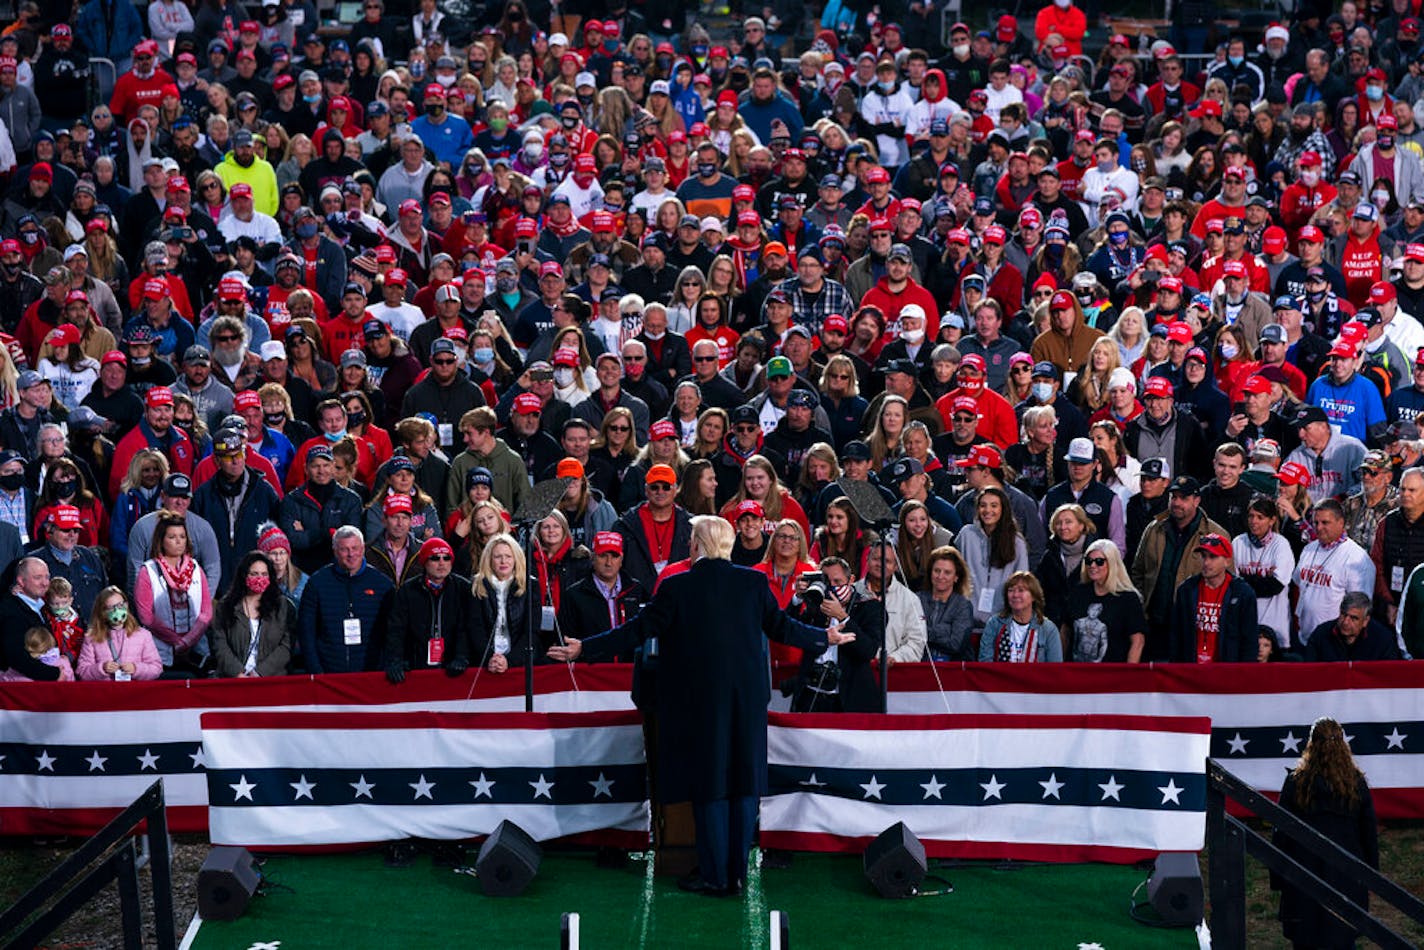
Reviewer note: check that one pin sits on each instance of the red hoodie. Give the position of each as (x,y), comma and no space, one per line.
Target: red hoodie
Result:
(891,304)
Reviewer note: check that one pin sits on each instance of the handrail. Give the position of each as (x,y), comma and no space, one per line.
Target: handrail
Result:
(1230,840)
(64,890)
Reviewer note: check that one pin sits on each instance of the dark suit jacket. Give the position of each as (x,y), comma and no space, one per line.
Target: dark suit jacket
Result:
(710,623)
(16,617)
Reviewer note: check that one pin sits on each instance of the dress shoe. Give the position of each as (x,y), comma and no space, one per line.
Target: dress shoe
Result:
(693,883)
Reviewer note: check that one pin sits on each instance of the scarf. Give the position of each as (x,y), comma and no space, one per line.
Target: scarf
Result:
(501,639)
(564,230)
(546,567)
(1073,554)
(1003,643)
(178,578)
(729,446)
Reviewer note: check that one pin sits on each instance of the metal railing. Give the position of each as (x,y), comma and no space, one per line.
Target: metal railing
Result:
(68,888)
(1229,840)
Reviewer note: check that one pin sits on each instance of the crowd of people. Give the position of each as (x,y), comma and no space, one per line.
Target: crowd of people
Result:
(292,325)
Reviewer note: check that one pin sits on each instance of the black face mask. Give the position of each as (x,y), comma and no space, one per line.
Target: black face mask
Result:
(434,109)
(66,489)
(274,420)
(354,419)
(12,482)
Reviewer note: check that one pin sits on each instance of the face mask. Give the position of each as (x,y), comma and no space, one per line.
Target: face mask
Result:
(335,436)
(257,583)
(1374,93)
(558,159)
(30,237)
(10,269)
(312,99)
(563,376)
(12,482)
(354,419)
(117,615)
(506,285)
(610,46)
(699,51)
(1086,300)
(1380,199)
(1229,351)
(1139,164)
(1053,253)
(65,489)
(484,354)
(1118,238)
(961,50)
(499,125)
(417,69)
(655,336)
(1236,60)
(1385,142)
(274,419)
(1106,167)
(1042,392)
(1315,296)
(306,231)
(62,613)
(886,86)
(140,360)
(1310,179)
(445,81)
(532,153)
(585,97)
(569,121)
(706,169)
(912,337)
(434,109)
(972,387)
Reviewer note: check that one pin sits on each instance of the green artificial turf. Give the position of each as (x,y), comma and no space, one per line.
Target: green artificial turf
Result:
(354,901)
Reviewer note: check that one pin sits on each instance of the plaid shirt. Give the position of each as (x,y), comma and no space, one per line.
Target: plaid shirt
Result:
(16,512)
(832,299)
(1287,153)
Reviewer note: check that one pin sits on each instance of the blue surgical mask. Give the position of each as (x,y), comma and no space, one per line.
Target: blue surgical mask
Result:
(306,231)
(1118,238)
(1106,167)
(1236,60)
(484,354)
(1374,93)
(1043,392)
(335,436)
(312,99)
(699,51)
(886,86)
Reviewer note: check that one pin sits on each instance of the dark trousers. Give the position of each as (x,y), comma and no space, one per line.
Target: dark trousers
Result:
(724,835)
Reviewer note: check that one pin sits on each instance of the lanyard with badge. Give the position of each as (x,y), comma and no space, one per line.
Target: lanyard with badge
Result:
(120,674)
(435,646)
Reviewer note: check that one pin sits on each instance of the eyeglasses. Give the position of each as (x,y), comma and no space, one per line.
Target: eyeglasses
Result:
(705,359)
(838,375)
(445,362)
(1095,561)
(966,418)
(440,557)
(226,338)
(659,486)
(620,428)
(1021,369)
(635,359)
(207,185)
(746,429)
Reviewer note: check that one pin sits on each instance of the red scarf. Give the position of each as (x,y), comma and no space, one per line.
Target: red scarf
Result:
(548,577)
(563,230)
(178,578)
(730,447)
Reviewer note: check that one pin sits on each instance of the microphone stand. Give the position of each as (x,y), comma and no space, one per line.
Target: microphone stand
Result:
(537,505)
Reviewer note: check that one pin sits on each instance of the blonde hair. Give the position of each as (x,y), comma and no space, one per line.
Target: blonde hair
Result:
(486,568)
(141,458)
(713,537)
(1118,580)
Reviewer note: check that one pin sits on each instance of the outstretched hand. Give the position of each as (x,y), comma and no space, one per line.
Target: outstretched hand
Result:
(836,635)
(568,652)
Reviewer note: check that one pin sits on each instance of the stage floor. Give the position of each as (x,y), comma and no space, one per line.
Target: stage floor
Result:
(354,902)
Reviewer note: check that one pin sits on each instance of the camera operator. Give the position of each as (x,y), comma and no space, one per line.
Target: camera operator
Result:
(839,679)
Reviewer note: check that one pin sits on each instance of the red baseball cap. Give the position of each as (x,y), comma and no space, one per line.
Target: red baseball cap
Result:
(526,227)
(604,223)
(1008,29)
(66,518)
(975,362)
(155,288)
(397,276)
(566,356)
(881,224)
(526,404)
(385,254)
(1179,332)
(748,218)
(1234,269)
(551,268)
(964,404)
(835,323)
(608,542)
(410,206)
(1274,240)
(743,193)
(994,234)
(1382,292)
(1214,544)
(985,453)
(1387,121)
(1312,234)
(158,396)
(662,429)
(569,468)
(1294,473)
(1158,386)
(241,190)
(247,399)
(1343,349)
(395,503)
(1257,385)
(749,507)
(1207,107)
(1061,300)
(230,288)
(1173,284)
(585,163)
(114,356)
(877,175)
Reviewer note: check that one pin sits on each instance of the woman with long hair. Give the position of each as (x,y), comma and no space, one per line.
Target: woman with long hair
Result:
(138,495)
(587,510)
(290,165)
(173,598)
(105,262)
(397,477)
(1118,469)
(1327,791)
(1019,632)
(616,444)
(949,614)
(1070,531)
(1203,175)
(304,358)
(471,526)
(559,562)
(783,563)
(841,398)
(722,280)
(884,438)
(760,484)
(1129,332)
(697,488)
(1232,358)
(1089,389)
(1262,557)
(63,363)
(290,579)
(682,315)
(500,587)
(1018,385)
(916,539)
(713,427)
(843,536)
(116,647)
(64,485)
(1104,619)
(993,549)
(1294,504)
(663,448)
(254,624)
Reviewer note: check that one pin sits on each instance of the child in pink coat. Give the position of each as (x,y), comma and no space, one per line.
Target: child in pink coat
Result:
(116,647)
(41,645)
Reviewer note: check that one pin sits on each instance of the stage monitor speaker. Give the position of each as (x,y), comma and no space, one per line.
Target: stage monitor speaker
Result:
(226,882)
(508,861)
(1175,888)
(895,862)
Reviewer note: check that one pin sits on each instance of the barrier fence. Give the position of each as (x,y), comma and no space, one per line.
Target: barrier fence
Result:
(73,755)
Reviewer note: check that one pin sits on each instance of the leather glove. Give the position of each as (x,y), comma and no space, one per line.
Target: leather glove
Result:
(396,674)
(456,667)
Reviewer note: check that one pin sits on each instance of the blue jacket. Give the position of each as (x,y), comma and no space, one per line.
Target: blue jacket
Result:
(1354,408)
(259,503)
(130,507)
(759,116)
(311,544)
(449,140)
(331,596)
(93,31)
